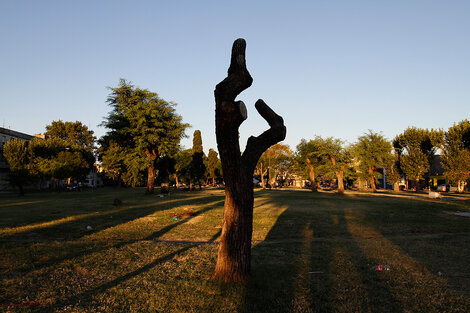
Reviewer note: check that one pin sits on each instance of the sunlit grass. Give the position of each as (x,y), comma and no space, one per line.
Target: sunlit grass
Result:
(311,253)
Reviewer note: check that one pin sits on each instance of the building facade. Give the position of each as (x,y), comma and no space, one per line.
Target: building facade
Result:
(5,136)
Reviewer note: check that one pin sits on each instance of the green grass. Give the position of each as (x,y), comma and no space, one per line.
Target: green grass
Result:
(312,252)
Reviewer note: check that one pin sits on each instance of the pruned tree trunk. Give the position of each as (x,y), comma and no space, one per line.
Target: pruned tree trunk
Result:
(311,175)
(234,254)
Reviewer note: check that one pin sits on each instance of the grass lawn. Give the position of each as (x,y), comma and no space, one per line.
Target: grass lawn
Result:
(312,252)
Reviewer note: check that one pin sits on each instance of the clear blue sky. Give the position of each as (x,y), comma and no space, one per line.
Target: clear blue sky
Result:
(330,68)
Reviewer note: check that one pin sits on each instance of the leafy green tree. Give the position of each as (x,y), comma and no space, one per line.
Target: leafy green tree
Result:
(456,154)
(335,157)
(393,171)
(182,163)
(72,133)
(145,126)
(16,153)
(371,151)
(212,165)
(307,160)
(54,158)
(416,149)
(273,161)
(112,160)
(261,169)
(197,166)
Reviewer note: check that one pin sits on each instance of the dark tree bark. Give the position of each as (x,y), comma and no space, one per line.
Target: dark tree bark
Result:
(234,255)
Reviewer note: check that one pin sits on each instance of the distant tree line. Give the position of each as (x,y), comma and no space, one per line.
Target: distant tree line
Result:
(66,152)
(408,157)
(142,148)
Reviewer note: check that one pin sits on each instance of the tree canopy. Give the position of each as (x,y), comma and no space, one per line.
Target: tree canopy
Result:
(144,126)
(16,153)
(456,153)
(72,133)
(416,148)
(197,166)
(212,164)
(335,157)
(308,161)
(371,151)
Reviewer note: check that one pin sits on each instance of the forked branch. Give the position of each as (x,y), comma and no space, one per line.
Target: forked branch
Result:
(257,145)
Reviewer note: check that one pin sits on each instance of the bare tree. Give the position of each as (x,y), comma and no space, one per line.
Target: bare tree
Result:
(234,255)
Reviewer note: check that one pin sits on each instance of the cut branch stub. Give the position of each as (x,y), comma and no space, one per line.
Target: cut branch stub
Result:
(238,78)
(257,145)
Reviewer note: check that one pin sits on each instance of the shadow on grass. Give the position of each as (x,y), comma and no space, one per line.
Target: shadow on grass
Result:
(85,249)
(310,262)
(74,226)
(85,297)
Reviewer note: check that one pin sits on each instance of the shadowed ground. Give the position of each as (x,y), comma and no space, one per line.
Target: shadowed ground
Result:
(311,253)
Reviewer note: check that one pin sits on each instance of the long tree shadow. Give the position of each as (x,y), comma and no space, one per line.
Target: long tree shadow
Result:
(310,262)
(74,226)
(87,248)
(85,297)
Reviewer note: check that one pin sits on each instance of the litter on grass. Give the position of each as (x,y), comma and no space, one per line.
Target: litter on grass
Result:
(381,268)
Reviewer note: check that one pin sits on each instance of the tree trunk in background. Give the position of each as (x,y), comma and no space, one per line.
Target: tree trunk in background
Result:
(150,177)
(176,181)
(396,186)
(152,155)
(263,181)
(273,180)
(339,177)
(234,254)
(311,175)
(372,180)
